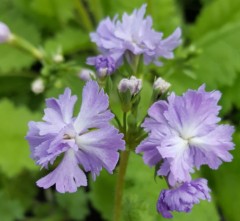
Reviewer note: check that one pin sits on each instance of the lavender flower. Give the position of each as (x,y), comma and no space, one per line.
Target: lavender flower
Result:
(184,134)
(87,140)
(182,198)
(4,32)
(134,34)
(105,65)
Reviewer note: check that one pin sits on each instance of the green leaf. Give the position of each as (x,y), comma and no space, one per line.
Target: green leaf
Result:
(222,13)
(102,194)
(75,204)
(13,85)
(10,209)
(225,184)
(231,96)
(218,38)
(60,10)
(70,40)
(15,59)
(25,191)
(141,194)
(14,151)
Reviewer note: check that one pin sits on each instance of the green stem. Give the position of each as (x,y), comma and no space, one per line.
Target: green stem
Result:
(120,185)
(86,21)
(121,175)
(125,125)
(118,121)
(24,45)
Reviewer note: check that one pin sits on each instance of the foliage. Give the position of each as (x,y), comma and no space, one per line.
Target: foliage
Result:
(210,54)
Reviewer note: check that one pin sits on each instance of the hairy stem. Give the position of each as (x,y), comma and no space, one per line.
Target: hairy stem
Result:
(26,46)
(120,185)
(121,175)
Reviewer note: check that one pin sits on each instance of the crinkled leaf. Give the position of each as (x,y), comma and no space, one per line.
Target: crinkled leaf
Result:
(231,96)
(222,13)
(14,151)
(218,39)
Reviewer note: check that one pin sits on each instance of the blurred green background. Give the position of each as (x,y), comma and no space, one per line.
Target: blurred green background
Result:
(210,53)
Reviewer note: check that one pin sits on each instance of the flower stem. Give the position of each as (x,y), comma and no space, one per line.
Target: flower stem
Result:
(121,175)
(24,45)
(120,185)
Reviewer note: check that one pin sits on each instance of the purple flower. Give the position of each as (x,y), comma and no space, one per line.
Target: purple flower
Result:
(105,65)
(183,197)
(134,35)
(87,140)
(4,32)
(184,133)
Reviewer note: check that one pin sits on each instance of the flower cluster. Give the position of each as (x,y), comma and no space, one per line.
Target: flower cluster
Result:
(183,132)
(183,135)
(134,35)
(87,140)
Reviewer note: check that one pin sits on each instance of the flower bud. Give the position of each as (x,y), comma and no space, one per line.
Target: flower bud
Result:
(129,93)
(38,86)
(4,33)
(134,85)
(86,74)
(105,65)
(161,85)
(58,58)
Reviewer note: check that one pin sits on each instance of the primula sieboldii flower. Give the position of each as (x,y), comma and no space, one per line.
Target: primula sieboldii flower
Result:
(184,133)
(134,34)
(87,140)
(183,197)
(4,32)
(105,65)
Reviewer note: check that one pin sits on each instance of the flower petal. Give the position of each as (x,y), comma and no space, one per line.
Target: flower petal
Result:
(98,148)
(67,176)
(94,111)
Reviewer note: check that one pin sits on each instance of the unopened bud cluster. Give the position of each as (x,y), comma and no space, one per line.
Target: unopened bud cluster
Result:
(134,85)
